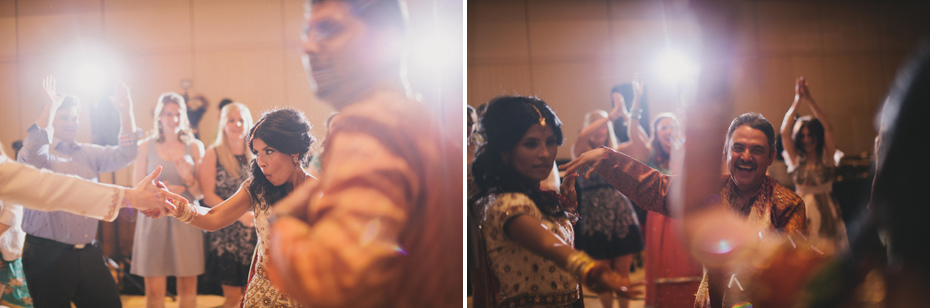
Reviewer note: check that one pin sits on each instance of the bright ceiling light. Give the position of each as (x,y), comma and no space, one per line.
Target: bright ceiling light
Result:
(435,53)
(674,66)
(92,76)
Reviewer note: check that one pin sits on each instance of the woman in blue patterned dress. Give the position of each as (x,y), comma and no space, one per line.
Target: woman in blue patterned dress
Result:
(608,229)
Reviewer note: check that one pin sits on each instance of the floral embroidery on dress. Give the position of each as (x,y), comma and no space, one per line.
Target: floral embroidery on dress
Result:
(520,272)
(603,209)
(260,292)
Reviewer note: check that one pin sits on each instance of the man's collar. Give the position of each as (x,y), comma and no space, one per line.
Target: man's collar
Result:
(65,147)
(735,199)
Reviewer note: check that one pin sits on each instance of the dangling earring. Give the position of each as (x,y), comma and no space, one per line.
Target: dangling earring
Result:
(296,163)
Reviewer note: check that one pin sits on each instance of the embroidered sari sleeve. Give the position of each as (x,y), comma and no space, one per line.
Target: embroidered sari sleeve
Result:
(645,186)
(506,207)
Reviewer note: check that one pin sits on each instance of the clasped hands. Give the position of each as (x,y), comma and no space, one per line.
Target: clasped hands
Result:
(153,198)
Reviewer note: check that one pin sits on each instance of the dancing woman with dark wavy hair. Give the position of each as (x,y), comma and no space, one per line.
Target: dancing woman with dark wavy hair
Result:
(527,232)
(280,142)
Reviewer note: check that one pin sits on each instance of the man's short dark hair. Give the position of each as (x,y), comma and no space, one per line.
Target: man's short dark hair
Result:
(224,102)
(756,121)
(377,13)
(69,101)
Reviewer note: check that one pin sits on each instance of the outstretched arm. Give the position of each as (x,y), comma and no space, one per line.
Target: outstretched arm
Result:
(219,216)
(581,144)
(49,191)
(647,187)
(530,233)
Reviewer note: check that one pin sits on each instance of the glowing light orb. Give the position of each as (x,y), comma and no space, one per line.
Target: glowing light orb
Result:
(435,53)
(721,246)
(92,76)
(674,66)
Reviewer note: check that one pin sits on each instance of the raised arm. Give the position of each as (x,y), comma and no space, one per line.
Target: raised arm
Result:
(38,140)
(48,110)
(787,125)
(112,158)
(581,145)
(638,144)
(829,144)
(123,101)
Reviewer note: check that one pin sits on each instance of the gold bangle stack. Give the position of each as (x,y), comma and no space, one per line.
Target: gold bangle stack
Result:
(579,264)
(186,212)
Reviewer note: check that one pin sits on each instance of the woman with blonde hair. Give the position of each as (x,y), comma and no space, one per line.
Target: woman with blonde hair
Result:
(167,247)
(224,168)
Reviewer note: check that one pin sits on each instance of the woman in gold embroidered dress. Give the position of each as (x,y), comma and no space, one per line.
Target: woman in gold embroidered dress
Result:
(281,142)
(527,233)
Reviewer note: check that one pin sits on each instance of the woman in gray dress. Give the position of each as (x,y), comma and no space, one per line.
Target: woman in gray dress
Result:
(165,246)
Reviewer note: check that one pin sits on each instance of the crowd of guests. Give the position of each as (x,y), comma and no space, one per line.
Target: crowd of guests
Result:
(373,228)
(534,247)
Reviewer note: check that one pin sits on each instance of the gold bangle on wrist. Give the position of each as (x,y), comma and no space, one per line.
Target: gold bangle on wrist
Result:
(186,211)
(579,264)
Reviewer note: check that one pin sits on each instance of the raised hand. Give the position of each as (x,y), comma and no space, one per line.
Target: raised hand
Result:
(800,89)
(619,107)
(121,97)
(637,93)
(49,85)
(805,91)
(637,88)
